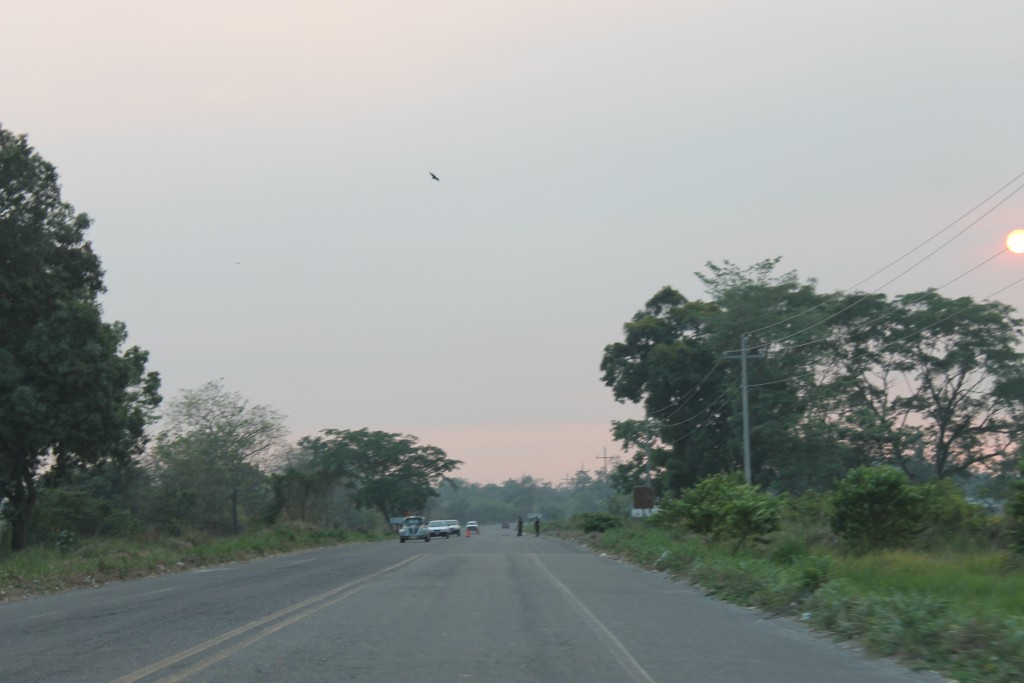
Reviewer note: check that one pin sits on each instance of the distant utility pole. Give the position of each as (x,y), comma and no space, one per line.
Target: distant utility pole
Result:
(606,458)
(743,356)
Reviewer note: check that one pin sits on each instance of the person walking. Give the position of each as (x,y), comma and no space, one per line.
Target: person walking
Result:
(519,527)
(536,526)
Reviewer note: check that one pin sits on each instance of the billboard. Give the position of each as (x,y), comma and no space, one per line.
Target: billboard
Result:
(643,498)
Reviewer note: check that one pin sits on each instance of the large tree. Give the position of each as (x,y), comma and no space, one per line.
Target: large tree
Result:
(929,384)
(390,473)
(679,360)
(70,394)
(211,455)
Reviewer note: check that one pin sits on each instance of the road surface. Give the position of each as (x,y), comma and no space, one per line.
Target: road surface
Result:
(493,608)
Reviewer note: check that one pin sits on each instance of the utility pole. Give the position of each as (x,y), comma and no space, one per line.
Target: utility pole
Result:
(743,356)
(606,458)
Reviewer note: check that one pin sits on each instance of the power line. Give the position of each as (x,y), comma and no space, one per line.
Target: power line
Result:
(689,395)
(708,408)
(898,339)
(886,315)
(679,404)
(891,264)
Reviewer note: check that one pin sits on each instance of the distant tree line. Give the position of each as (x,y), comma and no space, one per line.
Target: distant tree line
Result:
(583,492)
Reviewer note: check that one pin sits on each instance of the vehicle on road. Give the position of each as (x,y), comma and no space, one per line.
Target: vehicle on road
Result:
(454,528)
(414,528)
(438,527)
(473,526)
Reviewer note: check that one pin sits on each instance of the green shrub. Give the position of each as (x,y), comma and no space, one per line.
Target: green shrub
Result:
(722,507)
(596,522)
(877,507)
(121,524)
(950,520)
(788,550)
(671,513)
(67,509)
(815,572)
(807,517)
(65,541)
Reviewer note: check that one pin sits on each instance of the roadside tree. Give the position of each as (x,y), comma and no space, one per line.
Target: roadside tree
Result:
(389,473)
(211,457)
(932,385)
(71,395)
(673,361)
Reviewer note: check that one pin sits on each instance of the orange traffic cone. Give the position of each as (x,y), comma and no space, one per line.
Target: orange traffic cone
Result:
(469,532)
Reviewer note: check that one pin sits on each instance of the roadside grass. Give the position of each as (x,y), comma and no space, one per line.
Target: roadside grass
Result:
(959,613)
(991,581)
(95,561)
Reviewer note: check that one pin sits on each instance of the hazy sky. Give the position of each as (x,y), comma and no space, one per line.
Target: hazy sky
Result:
(258,177)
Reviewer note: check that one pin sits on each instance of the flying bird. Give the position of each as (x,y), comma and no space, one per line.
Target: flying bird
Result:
(434,176)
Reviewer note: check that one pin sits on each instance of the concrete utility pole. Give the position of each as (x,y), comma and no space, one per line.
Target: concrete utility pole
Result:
(743,356)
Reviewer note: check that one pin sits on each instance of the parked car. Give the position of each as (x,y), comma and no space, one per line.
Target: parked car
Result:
(414,528)
(473,526)
(454,528)
(438,527)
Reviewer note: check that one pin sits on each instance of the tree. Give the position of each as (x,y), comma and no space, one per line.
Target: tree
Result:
(70,394)
(390,473)
(673,363)
(934,386)
(931,385)
(213,451)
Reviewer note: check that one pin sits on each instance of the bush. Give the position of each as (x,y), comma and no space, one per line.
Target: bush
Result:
(877,507)
(596,522)
(722,507)
(949,519)
(70,510)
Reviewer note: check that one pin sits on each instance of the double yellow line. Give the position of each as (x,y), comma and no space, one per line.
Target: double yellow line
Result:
(257,630)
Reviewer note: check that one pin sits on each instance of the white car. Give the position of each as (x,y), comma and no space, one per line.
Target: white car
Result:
(473,526)
(453,527)
(438,527)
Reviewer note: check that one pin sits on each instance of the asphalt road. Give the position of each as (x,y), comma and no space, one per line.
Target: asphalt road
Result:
(493,608)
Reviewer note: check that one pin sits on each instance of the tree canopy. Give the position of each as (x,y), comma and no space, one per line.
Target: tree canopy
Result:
(390,473)
(211,450)
(71,395)
(928,384)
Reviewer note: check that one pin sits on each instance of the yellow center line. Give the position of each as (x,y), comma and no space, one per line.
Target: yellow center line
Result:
(238,647)
(234,633)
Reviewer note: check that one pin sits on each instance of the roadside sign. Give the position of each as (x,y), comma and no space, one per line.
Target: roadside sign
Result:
(643,497)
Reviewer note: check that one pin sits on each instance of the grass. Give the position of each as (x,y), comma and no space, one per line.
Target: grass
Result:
(991,581)
(94,561)
(961,613)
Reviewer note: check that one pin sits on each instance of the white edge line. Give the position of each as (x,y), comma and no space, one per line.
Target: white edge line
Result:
(619,651)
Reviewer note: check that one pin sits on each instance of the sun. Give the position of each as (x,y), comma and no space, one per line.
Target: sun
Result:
(1015,241)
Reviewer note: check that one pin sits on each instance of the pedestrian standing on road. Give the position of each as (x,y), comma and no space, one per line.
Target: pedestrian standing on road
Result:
(519,527)
(536,526)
